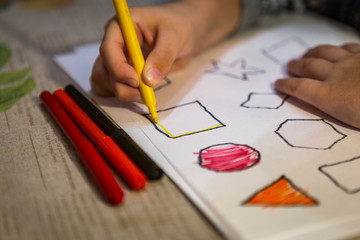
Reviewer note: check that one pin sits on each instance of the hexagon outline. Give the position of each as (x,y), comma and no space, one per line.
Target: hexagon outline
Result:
(294,146)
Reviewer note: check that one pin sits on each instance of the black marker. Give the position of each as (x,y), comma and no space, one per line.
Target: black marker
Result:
(110,127)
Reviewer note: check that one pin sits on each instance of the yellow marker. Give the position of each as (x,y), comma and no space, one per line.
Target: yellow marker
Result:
(137,58)
(175,136)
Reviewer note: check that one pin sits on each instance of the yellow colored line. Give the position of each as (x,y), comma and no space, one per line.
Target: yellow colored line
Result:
(174,136)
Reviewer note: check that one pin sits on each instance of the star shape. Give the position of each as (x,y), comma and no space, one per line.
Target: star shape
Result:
(237,69)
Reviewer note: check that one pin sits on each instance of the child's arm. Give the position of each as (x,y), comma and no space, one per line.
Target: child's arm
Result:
(169,34)
(327,77)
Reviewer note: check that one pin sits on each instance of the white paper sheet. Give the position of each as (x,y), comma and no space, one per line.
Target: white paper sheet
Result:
(232,136)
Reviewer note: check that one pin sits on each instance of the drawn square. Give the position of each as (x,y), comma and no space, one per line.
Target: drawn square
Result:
(185,119)
(344,174)
(285,50)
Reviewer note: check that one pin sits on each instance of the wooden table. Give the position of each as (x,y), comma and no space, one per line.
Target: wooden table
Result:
(46,193)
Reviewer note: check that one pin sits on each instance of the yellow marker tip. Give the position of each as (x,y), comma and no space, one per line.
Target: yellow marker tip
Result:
(154,117)
(153,113)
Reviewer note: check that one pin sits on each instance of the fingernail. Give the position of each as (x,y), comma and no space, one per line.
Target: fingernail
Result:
(153,76)
(132,82)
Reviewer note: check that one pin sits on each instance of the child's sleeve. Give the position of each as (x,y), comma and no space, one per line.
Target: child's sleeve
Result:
(345,11)
(250,12)
(253,11)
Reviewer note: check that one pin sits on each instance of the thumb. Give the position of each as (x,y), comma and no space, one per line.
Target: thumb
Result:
(152,75)
(160,60)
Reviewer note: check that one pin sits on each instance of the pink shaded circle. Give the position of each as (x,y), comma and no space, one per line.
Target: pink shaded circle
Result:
(228,157)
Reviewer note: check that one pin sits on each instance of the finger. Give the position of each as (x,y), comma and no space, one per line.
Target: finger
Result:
(327,52)
(352,47)
(112,51)
(127,93)
(103,86)
(99,80)
(160,59)
(306,89)
(315,68)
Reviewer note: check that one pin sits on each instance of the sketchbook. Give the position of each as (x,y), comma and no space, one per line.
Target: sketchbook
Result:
(259,164)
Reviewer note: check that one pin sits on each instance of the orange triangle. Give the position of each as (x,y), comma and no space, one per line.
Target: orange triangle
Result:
(281,193)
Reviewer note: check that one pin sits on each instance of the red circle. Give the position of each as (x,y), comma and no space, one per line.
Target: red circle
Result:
(228,157)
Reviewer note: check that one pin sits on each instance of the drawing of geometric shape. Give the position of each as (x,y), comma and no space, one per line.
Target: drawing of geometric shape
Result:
(185,119)
(163,83)
(344,175)
(281,193)
(265,100)
(228,157)
(285,50)
(237,69)
(309,133)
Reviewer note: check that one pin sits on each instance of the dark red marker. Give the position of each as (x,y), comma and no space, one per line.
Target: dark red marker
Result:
(118,159)
(86,150)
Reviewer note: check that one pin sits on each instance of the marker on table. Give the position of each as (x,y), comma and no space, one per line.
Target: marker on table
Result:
(118,159)
(137,58)
(85,149)
(111,128)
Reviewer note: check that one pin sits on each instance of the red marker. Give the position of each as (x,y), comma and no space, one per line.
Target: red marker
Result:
(119,160)
(86,150)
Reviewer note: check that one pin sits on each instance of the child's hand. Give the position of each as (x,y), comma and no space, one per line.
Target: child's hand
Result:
(169,34)
(328,77)
(156,29)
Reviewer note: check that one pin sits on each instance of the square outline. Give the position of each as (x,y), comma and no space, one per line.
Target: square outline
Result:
(147,115)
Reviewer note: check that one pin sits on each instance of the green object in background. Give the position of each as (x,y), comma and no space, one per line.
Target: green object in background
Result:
(14,84)
(4,6)
(10,95)
(9,77)
(5,55)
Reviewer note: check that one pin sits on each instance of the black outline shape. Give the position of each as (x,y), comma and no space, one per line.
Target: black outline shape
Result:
(147,115)
(244,203)
(291,145)
(334,180)
(257,93)
(266,51)
(234,64)
(253,164)
(167,82)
